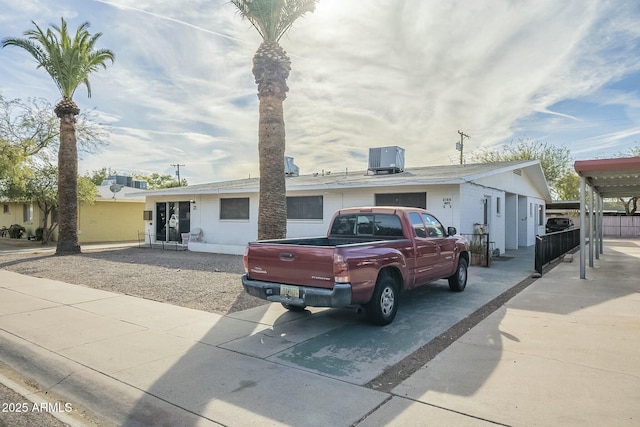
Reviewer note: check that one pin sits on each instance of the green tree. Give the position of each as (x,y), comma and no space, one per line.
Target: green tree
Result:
(555,161)
(568,187)
(25,130)
(271,67)
(156,181)
(29,129)
(69,62)
(98,176)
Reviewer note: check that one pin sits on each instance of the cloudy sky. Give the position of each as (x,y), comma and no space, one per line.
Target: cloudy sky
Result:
(364,74)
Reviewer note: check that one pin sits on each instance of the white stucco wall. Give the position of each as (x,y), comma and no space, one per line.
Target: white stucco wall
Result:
(460,206)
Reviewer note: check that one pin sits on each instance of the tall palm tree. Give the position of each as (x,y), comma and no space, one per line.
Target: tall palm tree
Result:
(68,61)
(271,66)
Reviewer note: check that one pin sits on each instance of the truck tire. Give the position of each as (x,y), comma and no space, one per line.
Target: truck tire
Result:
(458,280)
(382,307)
(293,307)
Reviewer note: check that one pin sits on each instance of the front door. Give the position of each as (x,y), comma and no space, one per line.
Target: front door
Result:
(172,219)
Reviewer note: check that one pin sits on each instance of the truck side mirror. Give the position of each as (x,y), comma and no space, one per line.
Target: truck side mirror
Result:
(451,231)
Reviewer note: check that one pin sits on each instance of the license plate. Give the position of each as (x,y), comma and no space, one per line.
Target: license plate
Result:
(289,291)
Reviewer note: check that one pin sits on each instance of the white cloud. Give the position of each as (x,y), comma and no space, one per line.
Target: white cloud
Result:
(408,73)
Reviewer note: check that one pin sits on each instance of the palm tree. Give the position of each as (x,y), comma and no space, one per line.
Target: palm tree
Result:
(271,66)
(69,62)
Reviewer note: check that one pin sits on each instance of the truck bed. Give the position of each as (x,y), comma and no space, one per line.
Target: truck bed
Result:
(331,241)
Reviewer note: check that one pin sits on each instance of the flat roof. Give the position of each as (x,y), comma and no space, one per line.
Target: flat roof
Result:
(612,178)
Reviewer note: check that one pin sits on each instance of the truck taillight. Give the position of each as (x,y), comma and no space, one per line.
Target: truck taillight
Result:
(245,260)
(340,269)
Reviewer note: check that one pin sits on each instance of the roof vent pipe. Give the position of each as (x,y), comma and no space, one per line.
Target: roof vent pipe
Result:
(289,168)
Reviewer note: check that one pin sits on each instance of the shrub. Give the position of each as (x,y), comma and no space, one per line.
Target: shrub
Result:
(16,231)
(39,233)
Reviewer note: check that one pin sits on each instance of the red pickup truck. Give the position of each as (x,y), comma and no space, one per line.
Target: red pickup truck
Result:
(368,257)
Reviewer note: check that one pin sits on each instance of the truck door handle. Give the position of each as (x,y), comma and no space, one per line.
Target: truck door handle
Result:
(287,256)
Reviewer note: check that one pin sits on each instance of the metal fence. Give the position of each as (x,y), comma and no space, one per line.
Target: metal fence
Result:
(553,245)
(148,239)
(621,226)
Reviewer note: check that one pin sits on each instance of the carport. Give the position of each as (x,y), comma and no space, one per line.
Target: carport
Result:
(606,179)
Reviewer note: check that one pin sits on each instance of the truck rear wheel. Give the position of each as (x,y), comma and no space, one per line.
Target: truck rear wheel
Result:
(458,281)
(382,307)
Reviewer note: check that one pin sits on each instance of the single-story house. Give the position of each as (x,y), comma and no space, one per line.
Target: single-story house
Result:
(505,199)
(113,217)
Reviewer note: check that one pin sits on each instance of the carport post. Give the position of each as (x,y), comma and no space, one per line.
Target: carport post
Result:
(592,220)
(583,234)
(600,223)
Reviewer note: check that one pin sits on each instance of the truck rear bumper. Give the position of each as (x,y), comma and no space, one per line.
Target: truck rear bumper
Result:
(339,296)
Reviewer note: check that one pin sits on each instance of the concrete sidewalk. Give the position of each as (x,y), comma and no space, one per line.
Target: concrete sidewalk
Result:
(564,351)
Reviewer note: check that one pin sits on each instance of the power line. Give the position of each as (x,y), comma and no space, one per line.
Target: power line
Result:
(177,166)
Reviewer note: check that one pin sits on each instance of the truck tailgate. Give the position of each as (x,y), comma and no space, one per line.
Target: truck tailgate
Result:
(291,264)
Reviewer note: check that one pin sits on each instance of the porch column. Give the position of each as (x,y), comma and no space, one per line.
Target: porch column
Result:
(583,227)
(601,222)
(592,220)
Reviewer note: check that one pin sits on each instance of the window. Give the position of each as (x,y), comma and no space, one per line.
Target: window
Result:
(5,208)
(540,215)
(498,207)
(234,208)
(27,213)
(384,225)
(305,207)
(418,226)
(486,211)
(411,200)
(434,228)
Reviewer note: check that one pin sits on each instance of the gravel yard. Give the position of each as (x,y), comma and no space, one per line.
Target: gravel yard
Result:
(209,282)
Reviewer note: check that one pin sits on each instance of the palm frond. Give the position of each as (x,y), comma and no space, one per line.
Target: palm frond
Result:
(68,60)
(273,18)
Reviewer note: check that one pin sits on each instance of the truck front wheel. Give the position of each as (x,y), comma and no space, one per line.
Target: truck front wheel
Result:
(382,307)
(458,281)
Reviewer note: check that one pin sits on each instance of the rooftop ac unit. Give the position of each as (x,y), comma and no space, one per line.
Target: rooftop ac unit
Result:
(386,159)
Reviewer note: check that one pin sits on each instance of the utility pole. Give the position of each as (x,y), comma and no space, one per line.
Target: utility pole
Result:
(460,146)
(177,166)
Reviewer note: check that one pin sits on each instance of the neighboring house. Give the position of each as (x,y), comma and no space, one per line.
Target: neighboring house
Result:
(111,218)
(505,199)
(25,214)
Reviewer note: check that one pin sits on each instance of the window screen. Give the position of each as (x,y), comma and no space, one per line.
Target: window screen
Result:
(234,208)
(304,207)
(411,200)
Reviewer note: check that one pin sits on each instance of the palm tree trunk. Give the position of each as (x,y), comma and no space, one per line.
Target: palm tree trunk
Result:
(272,215)
(271,68)
(67,184)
